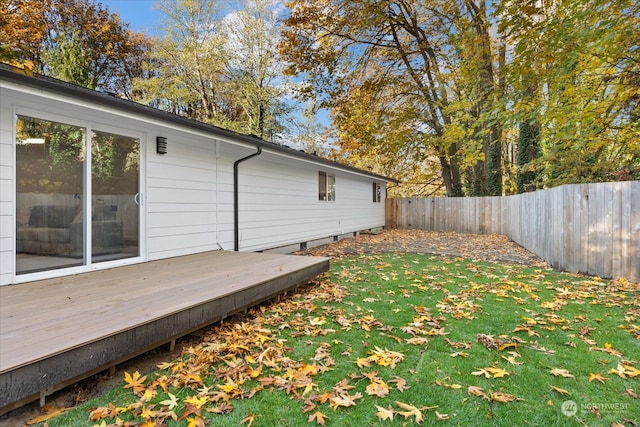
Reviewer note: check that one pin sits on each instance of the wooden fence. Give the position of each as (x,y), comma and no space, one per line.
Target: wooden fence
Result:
(587,228)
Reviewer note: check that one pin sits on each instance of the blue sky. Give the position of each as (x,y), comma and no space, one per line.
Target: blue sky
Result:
(139,14)
(142,17)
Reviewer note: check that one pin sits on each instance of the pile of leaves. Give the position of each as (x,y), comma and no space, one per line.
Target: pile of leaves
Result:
(397,339)
(490,247)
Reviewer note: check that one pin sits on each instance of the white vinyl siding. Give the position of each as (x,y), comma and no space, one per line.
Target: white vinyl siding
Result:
(7,233)
(187,194)
(181,196)
(279,205)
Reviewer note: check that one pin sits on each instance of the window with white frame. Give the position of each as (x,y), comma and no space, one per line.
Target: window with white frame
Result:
(326,187)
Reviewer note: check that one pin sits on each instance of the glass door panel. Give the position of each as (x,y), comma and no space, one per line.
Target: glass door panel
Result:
(115,183)
(50,159)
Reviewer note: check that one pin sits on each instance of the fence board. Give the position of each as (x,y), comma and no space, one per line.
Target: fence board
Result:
(586,228)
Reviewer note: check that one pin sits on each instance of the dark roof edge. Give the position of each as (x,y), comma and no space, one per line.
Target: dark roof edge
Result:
(38,81)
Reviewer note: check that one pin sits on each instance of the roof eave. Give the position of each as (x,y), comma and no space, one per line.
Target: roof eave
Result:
(58,86)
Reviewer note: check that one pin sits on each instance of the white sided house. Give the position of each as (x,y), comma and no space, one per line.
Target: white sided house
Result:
(90,181)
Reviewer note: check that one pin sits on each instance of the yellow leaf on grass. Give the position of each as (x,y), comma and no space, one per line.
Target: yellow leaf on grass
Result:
(561,372)
(343,400)
(491,372)
(441,417)
(596,377)
(378,388)
(384,414)
(135,382)
(248,419)
(476,391)
(512,360)
(196,401)
(507,345)
(363,362)
(631,371)
(606,349)
(447,385)
(418,341)
(561,390)
(502,397)
(197,421)
(410,411)
(401,383)
(318,417)
(619,371)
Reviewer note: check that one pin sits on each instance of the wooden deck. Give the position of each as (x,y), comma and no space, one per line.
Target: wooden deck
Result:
(56,331)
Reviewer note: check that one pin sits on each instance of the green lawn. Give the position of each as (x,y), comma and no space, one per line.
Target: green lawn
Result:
(404,339)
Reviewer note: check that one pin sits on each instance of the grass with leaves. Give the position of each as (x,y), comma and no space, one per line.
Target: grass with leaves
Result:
(399,340)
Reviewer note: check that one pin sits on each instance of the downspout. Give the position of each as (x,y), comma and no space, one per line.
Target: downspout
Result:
(236,221)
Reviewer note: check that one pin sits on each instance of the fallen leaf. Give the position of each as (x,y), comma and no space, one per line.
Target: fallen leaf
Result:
(502,397)
(172,402)
(561,372)
(377,388)
(223,408)
(344,400)
(410,411)
(48,412)
(608,350)
(248,419)
(596,377)
(401,383)
(476,391)
(631,392)
(441,417)
(561,390)
(507,345)
(631,371)
(384,414)
(363,362)
(135,382)
(318,417)
(491,372)
(512,360)
(461,344)
(196,401)
(197,421)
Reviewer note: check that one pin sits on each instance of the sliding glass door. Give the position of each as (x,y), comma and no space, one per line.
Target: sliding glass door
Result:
(77,198)
(115,183)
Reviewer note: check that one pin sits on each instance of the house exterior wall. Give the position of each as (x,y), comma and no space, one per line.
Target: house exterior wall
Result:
(279,203)
(7,234)
(187,194)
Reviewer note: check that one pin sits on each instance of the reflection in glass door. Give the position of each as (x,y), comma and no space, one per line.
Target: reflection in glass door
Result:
(115,166)
(50,159)
(53,197)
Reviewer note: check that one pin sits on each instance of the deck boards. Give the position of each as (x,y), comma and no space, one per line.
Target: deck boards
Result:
(42,320)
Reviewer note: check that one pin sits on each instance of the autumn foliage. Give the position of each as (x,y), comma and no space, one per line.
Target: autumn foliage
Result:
(404,339)
(78,41)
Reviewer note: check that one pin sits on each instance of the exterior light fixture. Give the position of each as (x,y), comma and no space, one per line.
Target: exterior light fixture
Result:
(161,145)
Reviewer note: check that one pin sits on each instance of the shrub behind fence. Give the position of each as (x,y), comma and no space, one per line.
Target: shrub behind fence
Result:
(586,228)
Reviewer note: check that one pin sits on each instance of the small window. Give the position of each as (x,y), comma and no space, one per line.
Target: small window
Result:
(377,192)
(326,187)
